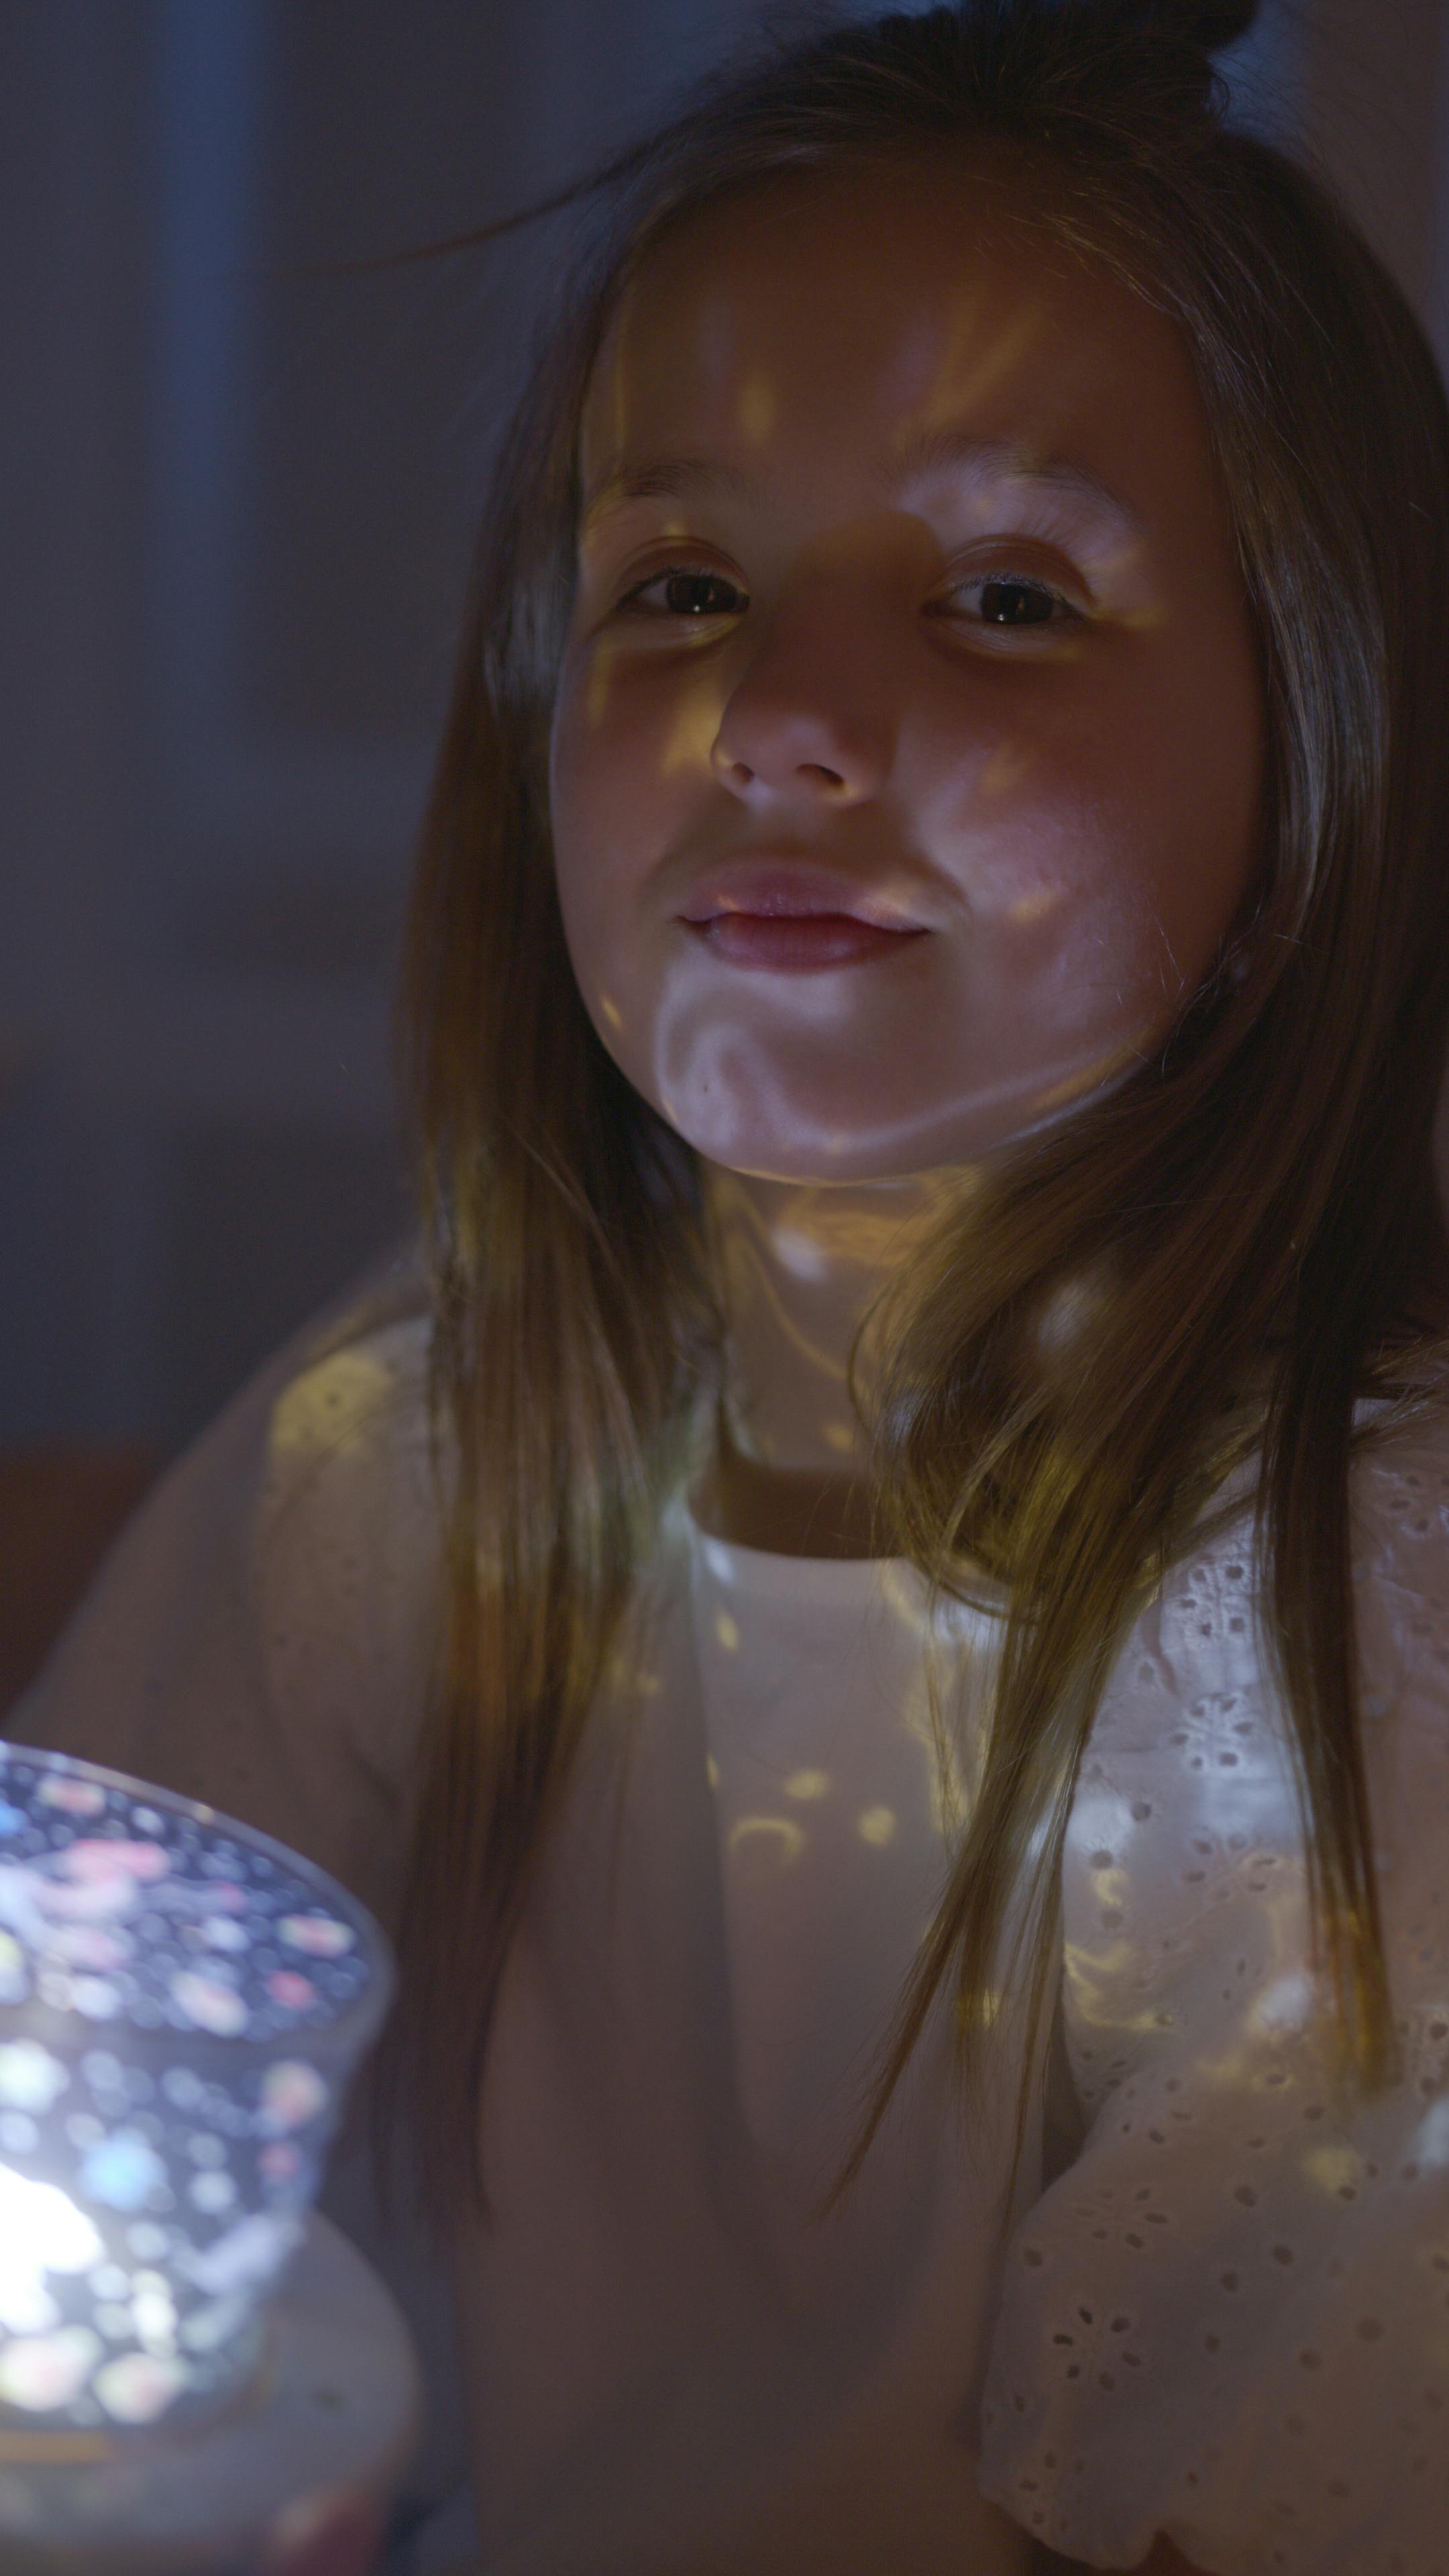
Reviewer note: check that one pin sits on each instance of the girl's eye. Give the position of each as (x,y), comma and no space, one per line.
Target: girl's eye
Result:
(682,590)
(1008,600)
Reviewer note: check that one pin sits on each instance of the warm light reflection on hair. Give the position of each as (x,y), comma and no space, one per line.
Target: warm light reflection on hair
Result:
(1073,1086)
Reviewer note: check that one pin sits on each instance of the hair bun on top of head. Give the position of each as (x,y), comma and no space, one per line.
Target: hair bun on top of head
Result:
(1212,24)
(1188,27)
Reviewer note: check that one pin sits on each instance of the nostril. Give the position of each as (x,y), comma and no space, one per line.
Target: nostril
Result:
(816,769)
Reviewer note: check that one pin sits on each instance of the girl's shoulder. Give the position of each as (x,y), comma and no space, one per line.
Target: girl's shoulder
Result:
(261,1634)
(343,1413)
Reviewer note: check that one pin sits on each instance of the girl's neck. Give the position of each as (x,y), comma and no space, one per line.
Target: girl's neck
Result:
(799,1267)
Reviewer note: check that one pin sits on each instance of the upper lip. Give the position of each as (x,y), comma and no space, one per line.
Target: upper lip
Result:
(794,890)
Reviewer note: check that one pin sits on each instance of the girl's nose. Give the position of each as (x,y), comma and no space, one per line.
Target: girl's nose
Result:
(795,729)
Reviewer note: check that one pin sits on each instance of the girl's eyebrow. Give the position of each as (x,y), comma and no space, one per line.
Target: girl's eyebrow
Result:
(907,461)
(994,461)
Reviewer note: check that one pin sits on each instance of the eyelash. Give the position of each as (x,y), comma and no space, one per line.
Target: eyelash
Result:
(1066,611)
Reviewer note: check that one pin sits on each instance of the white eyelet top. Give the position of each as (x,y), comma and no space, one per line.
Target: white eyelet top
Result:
(1218,2306)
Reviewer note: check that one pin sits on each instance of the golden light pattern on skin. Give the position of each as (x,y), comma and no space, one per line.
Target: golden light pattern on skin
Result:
(695,729)
(601,675)
(595,524)
(610,1011)
(1007,767)
(1035,906)
(841,1227)
(727,1631)
(969,373)
(755,408)
(611,646)
(784,1262)
(751,1281)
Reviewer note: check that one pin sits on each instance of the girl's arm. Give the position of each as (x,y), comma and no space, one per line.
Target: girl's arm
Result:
(1242,2245)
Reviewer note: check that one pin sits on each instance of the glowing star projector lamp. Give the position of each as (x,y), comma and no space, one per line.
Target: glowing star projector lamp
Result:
(187,2352)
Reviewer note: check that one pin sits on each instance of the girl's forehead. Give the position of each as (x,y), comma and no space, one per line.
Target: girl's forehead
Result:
(888,304)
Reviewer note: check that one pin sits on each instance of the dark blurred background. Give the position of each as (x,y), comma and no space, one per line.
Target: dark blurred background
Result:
(239,476)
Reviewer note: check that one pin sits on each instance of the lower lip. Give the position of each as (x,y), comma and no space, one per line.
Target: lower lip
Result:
(796,943)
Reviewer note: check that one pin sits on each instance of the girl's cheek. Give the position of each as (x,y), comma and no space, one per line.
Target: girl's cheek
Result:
(630,755)
(1094,825)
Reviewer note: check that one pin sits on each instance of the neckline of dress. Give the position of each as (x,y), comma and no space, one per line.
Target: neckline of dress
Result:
(764,1571)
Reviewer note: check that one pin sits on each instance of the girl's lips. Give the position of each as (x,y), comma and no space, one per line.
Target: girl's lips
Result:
(794,943)
(792,917)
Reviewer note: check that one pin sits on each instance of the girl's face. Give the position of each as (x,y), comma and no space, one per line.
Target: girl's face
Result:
(907,757)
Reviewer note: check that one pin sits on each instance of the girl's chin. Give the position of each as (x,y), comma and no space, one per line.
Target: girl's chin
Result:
(762,1120)
(838,1156)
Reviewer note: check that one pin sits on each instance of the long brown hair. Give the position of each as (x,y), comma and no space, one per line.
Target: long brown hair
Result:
(1257,1204)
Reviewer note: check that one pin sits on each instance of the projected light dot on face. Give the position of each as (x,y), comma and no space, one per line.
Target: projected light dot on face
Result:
(906,758)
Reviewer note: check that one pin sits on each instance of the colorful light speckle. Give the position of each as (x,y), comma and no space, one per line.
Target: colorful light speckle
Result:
(208,2003)
(292,2093)
(30,2078)
(122,2172)
(40,2373)
(138,2387)
(320,1935)
(73,1797)
(296,1993)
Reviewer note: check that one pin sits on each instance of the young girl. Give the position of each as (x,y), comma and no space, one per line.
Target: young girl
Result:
(878,1630)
